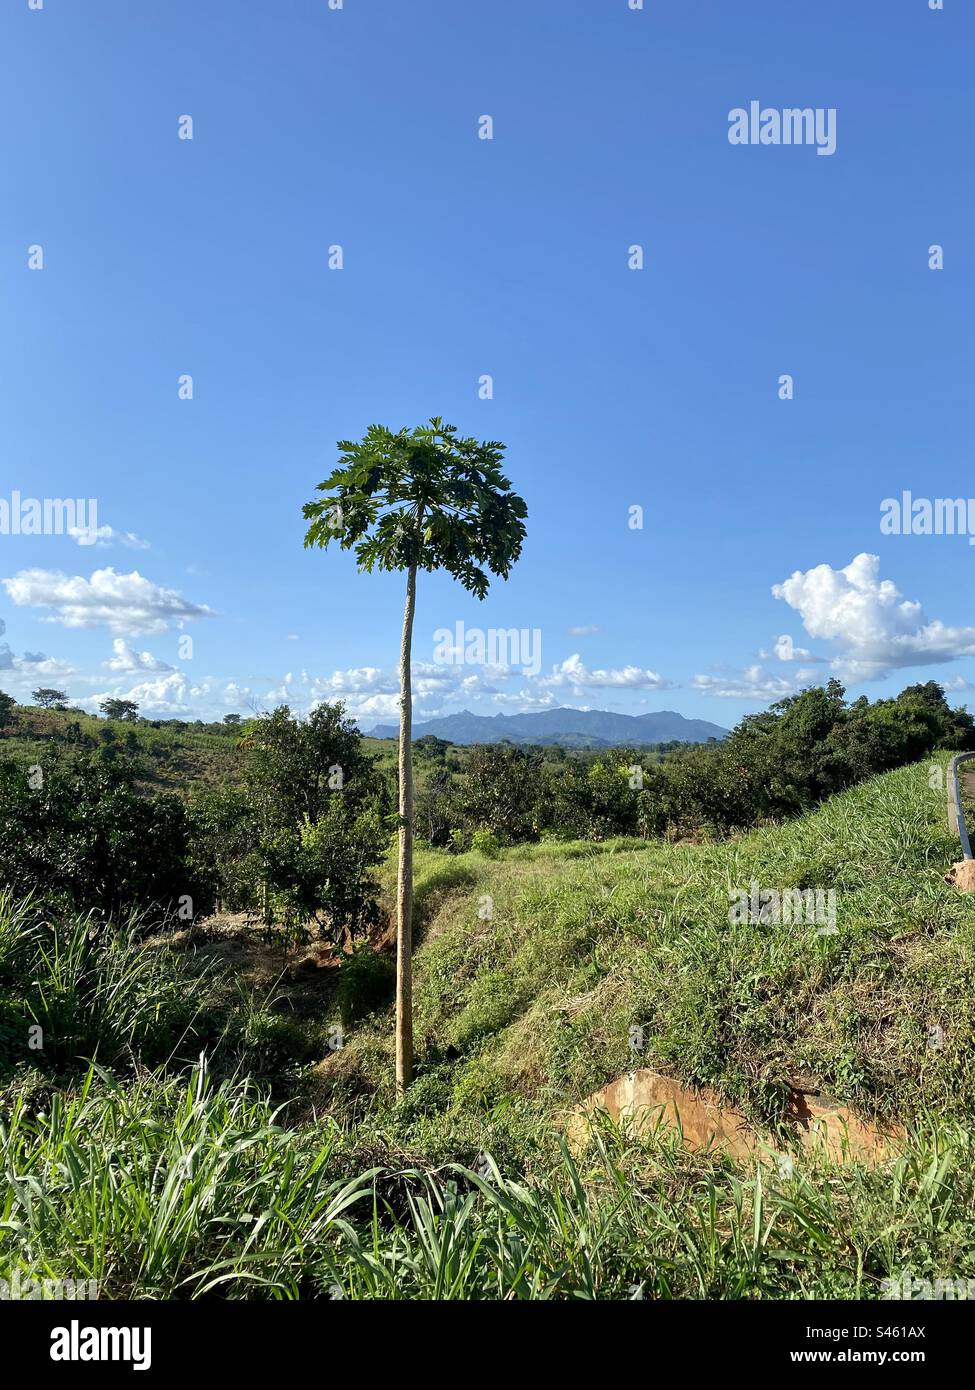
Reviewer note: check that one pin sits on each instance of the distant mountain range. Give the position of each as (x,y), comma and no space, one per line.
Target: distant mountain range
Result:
(571,728)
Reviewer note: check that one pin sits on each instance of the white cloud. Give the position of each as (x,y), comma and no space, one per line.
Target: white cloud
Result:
(104,536)
(753,683)
(125,603)
(170,695)
(379,707)
(786,650)
(584,630)
(356,680)
(33,664)
(525,700)
(574,674)
(127,661)
(876,629)
(22,671)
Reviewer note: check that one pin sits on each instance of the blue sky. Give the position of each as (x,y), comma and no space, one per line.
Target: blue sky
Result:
(466,257)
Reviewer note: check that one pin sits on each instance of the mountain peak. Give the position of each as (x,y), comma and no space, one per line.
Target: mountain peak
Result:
(571,727)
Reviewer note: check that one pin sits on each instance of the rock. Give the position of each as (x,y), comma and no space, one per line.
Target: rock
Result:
(820,1123)
(645,1099)
(962,876)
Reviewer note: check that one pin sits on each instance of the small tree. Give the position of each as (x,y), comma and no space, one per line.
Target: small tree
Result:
(119,709)
(418,499)
(320,816)
(50,699)
(7,706)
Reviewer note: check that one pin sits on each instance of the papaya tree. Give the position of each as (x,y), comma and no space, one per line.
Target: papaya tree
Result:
(410,500)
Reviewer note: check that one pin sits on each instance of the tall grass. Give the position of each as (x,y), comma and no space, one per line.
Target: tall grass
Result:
(165,1189)
(80,988)
(186,1190)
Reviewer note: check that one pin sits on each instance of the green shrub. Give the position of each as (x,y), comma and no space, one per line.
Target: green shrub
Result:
(367,982)
(79,835)
(487,843)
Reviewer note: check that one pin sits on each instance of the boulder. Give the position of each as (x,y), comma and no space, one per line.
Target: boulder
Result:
(646,1101)
(962,876)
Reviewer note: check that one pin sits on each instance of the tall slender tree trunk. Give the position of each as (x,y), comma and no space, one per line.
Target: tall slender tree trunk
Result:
(404,883)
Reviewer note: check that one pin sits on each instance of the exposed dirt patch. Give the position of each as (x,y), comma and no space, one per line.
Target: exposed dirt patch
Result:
(646,1100)
(962,876)
(265,960)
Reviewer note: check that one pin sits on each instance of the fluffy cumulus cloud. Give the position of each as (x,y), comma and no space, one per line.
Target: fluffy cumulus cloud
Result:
(171,696)
(573,674)
(126,661)
(875,628)
(786,650)
(753,683)
(127,604)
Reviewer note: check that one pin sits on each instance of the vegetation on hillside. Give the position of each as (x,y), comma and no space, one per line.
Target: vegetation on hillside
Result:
(463,1188)
(228,1087)
(304,812)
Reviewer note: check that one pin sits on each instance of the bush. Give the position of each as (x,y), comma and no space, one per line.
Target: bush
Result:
(79,835)
(320,817)
(367,982)
(437,808)
(502,792)
(487,843)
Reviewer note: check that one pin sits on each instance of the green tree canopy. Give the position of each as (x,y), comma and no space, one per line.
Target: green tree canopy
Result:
(422,497)
(48,698)
(119,709)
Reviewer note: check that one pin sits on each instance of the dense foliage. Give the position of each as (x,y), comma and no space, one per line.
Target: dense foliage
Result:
(297,834)
(78,834)
(775,764)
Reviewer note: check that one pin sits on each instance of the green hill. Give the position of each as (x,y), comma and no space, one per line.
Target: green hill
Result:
(173,755)
(586,942)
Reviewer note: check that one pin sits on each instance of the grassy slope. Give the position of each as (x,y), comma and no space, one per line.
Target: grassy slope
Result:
(174,760)
(588,942)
